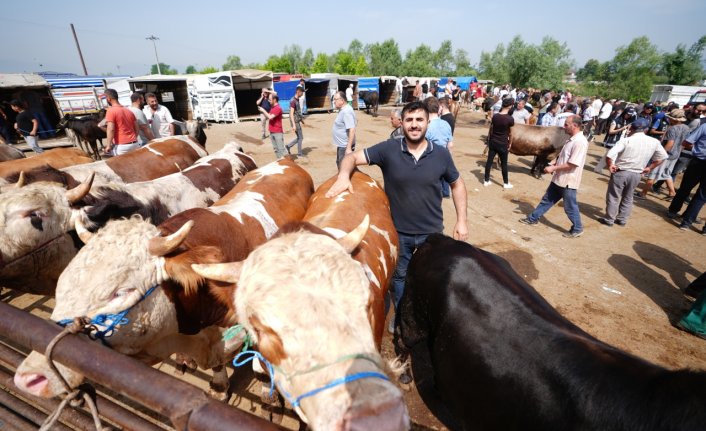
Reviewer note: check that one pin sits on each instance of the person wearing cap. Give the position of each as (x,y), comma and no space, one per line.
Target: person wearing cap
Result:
(694,175)
(567,170)
(627,161)
(499,141)
(673,137)
(648,113)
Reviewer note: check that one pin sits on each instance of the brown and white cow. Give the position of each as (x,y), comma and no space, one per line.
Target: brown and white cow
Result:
(538,141)
(197,186)
(313,300)
(186,313)
(8,152)
(37,239)
(57,158)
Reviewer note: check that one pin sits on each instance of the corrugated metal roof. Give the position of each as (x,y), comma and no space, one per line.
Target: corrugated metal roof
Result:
(71,80)
(21,80)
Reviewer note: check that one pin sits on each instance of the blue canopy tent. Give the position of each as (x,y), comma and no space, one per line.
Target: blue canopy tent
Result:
(367,84)
(463,82)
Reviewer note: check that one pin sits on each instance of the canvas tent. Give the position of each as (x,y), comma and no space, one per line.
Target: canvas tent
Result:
(344,81)
(320,89)
(32,89)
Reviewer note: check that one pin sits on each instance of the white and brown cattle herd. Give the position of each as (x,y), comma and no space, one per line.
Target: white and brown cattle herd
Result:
(168,250)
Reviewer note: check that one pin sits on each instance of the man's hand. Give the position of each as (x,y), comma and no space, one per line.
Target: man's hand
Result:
(341,185)
(460,231)
(549,169)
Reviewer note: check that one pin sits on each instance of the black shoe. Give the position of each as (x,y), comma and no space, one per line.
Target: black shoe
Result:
(671,215)
(527,221)
(621,222)
(288,149)
(684,226)
(605,221)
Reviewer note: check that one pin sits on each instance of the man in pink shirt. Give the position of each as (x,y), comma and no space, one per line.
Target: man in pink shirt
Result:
(567,171)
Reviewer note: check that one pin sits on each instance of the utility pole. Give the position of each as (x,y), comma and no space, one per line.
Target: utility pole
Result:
(73,30)
(154,38)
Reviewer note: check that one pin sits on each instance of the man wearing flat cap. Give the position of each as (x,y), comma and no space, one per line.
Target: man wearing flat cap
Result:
(626,162)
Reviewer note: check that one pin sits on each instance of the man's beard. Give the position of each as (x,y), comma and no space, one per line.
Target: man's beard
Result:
(409,140)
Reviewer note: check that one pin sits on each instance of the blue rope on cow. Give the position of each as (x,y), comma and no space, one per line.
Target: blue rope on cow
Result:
(249,355)
(115,319)
(38,131)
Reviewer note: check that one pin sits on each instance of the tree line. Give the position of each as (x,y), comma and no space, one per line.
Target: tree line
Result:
(630,75)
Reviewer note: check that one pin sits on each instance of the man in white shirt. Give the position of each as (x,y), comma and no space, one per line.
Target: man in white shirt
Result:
(626,162)
(521,115)
(144,134)
(605,112)
(159,117)
(349,95)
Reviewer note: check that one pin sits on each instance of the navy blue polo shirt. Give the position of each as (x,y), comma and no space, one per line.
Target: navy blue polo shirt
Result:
(413,186)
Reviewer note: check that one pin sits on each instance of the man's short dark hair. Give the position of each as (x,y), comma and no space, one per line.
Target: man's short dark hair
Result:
(432,104)
(341,94)
(414,106)
(111,94)
(15,102)
(148,95)
(136,96)
(444,101)
(275,97)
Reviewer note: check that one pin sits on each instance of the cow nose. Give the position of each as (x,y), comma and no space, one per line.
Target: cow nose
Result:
(390,415)
(31,383)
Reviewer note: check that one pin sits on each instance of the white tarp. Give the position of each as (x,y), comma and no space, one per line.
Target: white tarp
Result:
(9,80)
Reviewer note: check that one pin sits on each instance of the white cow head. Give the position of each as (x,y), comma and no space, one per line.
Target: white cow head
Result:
(34,221)
(304,300)
(110,274)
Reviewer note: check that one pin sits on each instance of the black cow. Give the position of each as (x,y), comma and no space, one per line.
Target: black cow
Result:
(87,130)
(371,99)
(489,353)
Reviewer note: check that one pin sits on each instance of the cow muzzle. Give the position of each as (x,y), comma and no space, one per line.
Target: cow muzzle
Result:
(390,415)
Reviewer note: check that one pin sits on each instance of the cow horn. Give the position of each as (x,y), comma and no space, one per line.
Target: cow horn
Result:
(227,272)
(354,237)
(80,191)
(163,245)
(82,232)
(21,180)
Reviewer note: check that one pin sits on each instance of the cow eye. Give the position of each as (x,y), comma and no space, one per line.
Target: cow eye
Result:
(35,217)
(122,292)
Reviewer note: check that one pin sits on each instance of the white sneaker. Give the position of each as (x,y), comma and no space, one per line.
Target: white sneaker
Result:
(508,186)
(486,183)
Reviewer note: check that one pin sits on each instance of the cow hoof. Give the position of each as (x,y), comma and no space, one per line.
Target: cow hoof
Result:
(405,378)
(218,395)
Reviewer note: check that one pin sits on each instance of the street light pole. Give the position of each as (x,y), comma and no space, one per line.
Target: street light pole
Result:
(153,38)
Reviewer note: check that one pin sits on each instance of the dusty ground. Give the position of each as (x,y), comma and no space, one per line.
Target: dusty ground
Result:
(620,284)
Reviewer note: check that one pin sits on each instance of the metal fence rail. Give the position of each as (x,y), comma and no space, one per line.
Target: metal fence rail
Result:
(187,407)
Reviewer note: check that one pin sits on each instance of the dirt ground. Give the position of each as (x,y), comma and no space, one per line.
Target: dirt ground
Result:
(621,284)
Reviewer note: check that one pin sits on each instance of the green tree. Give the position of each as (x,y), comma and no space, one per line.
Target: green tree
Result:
(307,62)
(276,63)
(232,63)
(165,68)
(208,69)
(684,67)
(462,64)
(493,66)
(443,59)
(190,69)
(632,70)
(321,64)
(361,66)
(593,70)
(293,55)
(385,58)
(419,62)
(355,48)
(344,63)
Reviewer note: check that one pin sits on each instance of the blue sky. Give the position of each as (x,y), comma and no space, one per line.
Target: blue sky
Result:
(112,34)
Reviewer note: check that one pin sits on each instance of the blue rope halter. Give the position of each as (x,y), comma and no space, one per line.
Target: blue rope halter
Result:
(109,321)
(246,356)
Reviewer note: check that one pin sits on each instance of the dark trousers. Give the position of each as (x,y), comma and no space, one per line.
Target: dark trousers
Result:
(492,151)
(695,173)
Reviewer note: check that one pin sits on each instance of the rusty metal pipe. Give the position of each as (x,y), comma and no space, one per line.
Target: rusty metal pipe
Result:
(154,389)
(26,411)
(9,421)
(107,408)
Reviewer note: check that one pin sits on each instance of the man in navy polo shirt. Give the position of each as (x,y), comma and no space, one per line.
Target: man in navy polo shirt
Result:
(412,169)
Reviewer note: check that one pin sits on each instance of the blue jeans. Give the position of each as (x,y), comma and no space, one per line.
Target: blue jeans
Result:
(408,245)
(553,195)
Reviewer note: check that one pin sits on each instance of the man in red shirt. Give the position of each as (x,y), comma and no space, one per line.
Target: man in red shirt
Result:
(122,126)
(275,128)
